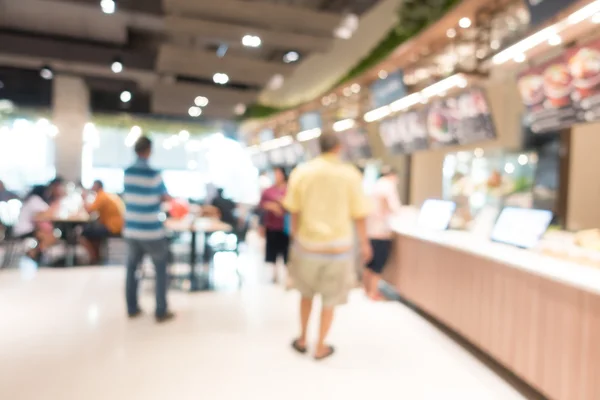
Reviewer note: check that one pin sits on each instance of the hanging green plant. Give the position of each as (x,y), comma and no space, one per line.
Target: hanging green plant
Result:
(413,17)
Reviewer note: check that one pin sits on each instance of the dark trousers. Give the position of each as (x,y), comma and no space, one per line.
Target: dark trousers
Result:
(158,250)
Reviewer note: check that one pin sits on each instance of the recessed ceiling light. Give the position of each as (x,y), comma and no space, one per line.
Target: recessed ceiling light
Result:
(125,96)
(201,101)
(347,91)
(275,82)
(117,67)
(464,22)
(291,57)
(108,6)
(195,111)
(355,88)
(251,41)
(383,74)
(239,109)
(220,78)
(451,33)
(46,73)
(495,44)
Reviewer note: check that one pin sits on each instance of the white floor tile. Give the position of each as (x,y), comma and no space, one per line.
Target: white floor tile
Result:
(64,336)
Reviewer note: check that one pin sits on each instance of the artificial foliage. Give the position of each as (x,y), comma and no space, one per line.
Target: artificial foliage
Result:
(414,16)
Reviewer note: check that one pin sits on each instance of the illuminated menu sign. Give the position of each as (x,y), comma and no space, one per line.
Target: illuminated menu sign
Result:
(543,10)
(385,91)
(460,119)
(563,91)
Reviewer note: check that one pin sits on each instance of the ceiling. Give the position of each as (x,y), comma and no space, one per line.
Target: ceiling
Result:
(168,47)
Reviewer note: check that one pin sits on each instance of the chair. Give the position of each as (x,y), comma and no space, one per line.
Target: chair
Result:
(9,214)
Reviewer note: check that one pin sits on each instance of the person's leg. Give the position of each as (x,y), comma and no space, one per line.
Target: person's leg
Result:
(271,253)
(159,252)
(305,311)
(134,258)
(323,349)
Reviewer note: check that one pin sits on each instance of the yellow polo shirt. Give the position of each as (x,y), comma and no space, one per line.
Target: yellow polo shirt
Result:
(328,196)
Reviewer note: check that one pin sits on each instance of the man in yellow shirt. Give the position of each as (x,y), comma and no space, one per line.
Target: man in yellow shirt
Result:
(109,223)
(328,206)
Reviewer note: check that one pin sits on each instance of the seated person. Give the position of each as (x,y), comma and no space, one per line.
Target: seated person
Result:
(31,221)
(224,208)
(109,222)
(55,191)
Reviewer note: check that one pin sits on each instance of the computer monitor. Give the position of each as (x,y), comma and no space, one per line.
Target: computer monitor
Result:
(435,214)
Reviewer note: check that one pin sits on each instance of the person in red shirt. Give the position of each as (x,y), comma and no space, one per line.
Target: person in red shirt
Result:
(277,240)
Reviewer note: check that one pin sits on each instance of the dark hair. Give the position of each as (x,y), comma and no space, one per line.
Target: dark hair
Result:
(283,172)
(37,190)
(143,145)
(99,183)
(58,180)
(329,142)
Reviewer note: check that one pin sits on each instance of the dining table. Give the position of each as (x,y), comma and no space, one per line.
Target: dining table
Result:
(194,226)
(68,226)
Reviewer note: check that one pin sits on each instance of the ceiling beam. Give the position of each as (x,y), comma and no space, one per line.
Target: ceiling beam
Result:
(203,64)
(221,31)
(263,14)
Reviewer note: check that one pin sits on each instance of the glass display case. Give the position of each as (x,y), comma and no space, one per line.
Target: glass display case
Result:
(480,179)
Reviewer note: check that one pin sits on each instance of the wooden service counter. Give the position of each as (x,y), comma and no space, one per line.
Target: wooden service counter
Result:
(536,315)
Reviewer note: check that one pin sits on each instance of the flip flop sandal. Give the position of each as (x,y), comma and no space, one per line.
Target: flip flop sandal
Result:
(329,353)
(296,346)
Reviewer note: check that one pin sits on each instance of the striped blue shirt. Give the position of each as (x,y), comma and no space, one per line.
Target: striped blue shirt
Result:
(144,189)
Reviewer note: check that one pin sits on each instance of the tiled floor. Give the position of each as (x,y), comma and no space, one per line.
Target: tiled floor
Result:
(64,336)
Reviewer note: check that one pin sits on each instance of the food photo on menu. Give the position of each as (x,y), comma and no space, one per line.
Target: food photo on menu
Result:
(584,67)
(472,120)
(357,144)
(546,91)
(439,121)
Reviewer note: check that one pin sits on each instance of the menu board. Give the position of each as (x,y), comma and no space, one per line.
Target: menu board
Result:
(563,91)
(521,227)
(460,119)
(356,144)
(542,10)
(385,91)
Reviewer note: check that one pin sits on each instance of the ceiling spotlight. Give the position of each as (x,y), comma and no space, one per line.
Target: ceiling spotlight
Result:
(251,41)
(125,96)
(275,82)
(201,101)
(239,109)
(451,33)
(220,78)
(117,66)
(495,44)
(347,91)
(195,111)
(555,40)
(46,73)
(108,6)
(383,74)
(291,57)
(464,23)
(355,88)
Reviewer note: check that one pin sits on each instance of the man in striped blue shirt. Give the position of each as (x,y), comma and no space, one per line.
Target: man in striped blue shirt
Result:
(144,193)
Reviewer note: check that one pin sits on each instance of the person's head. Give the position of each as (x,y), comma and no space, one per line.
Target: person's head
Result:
(281,176)
(330,143)
(220,192)
(37,190)
(56,188)
(97,186)
(143,147)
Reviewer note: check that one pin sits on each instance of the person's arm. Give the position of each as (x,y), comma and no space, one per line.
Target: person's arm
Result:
(360,209)
(394,205)
(291,203)
(164,194)
(95,206)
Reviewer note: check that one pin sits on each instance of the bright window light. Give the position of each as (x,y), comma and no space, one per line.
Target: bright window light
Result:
(184,135)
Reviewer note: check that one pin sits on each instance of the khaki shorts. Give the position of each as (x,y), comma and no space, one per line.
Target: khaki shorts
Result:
(331,277)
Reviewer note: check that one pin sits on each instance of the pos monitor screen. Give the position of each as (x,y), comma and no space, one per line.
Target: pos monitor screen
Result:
(436,214)
(521,227)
